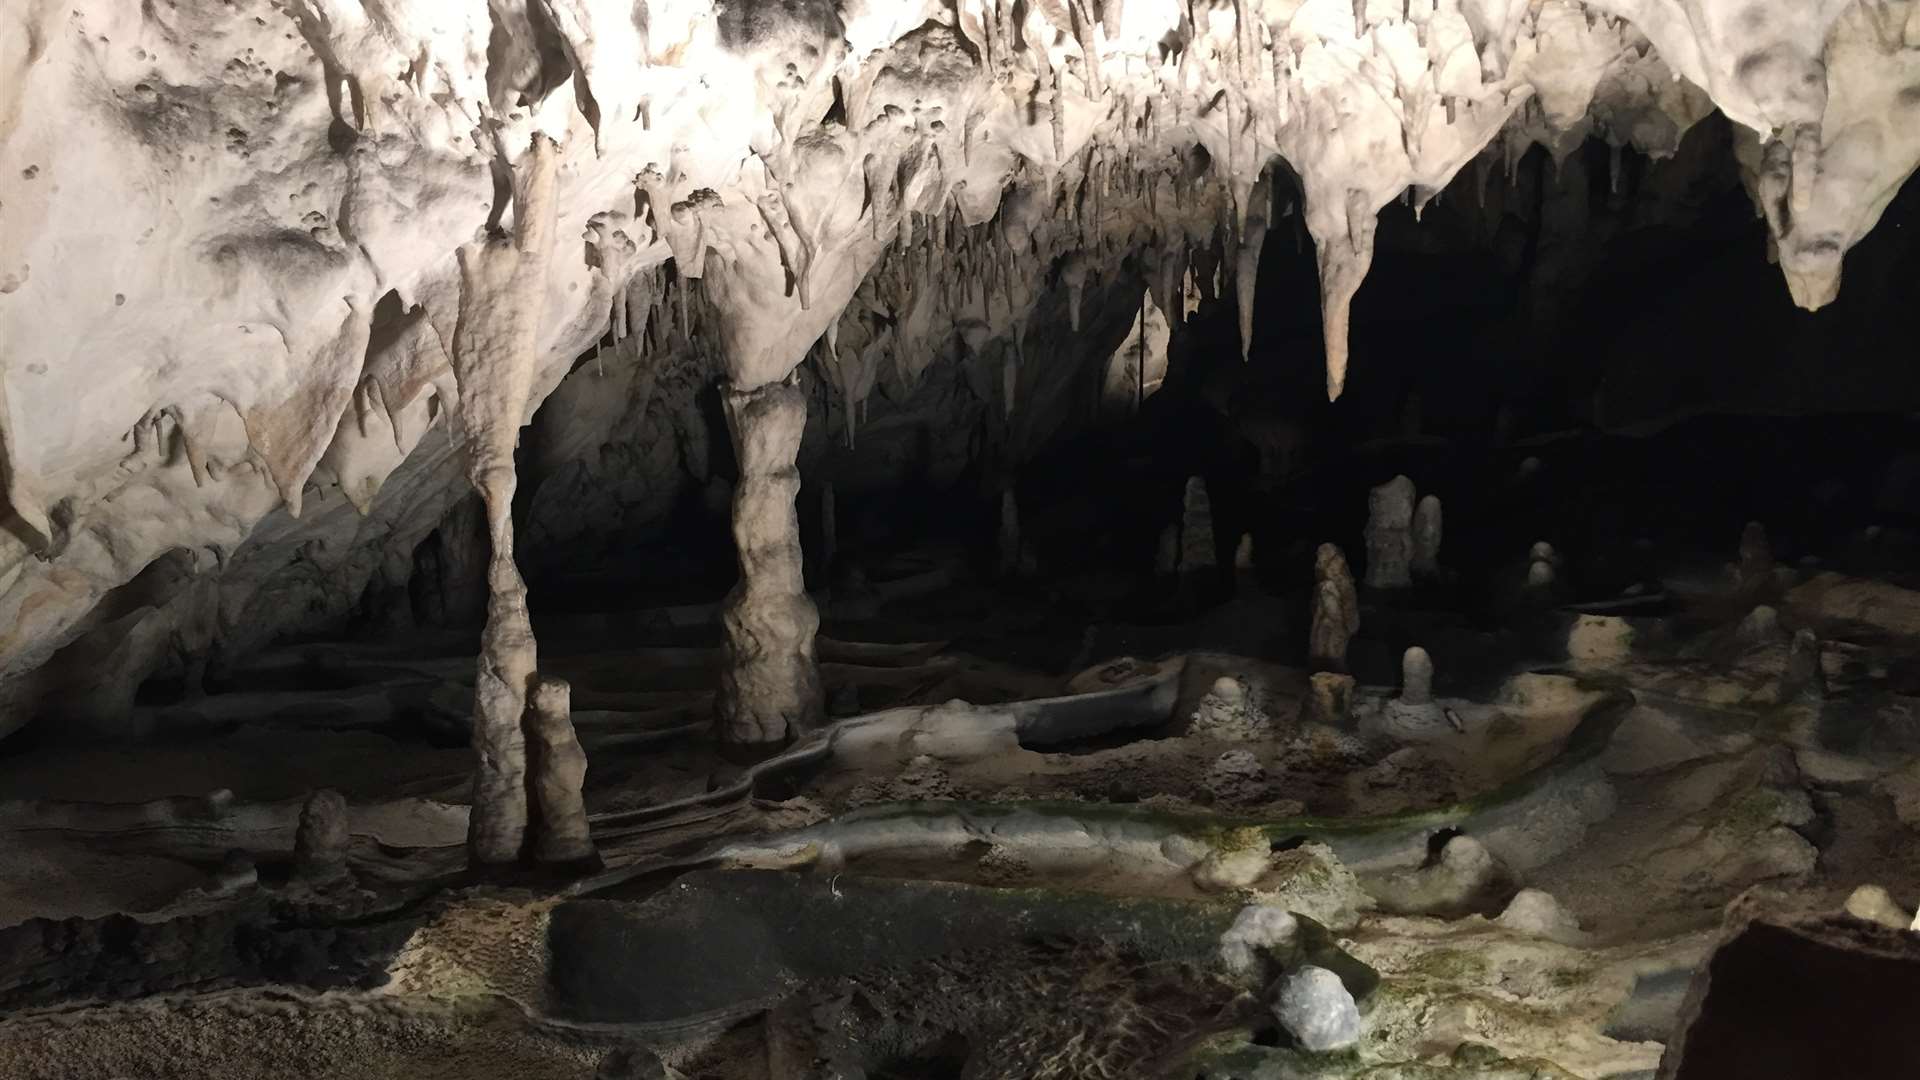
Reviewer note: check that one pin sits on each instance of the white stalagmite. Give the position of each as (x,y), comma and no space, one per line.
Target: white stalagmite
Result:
(502,291)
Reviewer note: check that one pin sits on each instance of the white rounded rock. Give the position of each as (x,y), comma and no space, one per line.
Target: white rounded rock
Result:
(1537,913)
(1257,927)
(1315,1008)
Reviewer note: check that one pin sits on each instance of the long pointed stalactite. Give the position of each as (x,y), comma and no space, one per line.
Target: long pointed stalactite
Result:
(495,349)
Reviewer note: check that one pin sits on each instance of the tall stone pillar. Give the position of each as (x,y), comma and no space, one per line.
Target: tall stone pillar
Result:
(770,685)
(495,353)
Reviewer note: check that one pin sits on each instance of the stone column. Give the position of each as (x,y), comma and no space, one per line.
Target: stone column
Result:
(496,349)
(770,686)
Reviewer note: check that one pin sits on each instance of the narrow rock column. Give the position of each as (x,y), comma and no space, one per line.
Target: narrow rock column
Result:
(1426,538)
(769,686)
(1390,535)
(495,351)
(1196,528)
(320,842)
(1336,609)
(1009,534)
(559,766)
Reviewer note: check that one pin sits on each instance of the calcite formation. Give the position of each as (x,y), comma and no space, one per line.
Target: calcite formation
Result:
(770,688)
(236,310)
(1390,546)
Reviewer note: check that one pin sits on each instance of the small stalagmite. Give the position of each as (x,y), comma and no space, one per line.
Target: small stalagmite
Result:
(1327,646)
(1166,554)
(1755,568)
(1804,679)
(320,841)
(558,767)
(1416,677)
(1426,538)
(1009,534)
(1196,528)
(1243,553)
(1390,535)
(1330,699)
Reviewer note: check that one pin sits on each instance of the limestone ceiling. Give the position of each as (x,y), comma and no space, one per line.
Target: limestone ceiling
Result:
(228,231)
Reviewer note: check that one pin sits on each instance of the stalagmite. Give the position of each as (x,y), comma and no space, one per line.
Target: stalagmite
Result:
(1426,538)
(495,348)
(1540,574)
(1330,633)
(1243,553)
(559,775)
(1009,537)
(1166,552)
(769,687)
(1390,535)
(320,842)
(1196,528)
(1416,677)
(1805,679)
(1330,699)
(1755,568)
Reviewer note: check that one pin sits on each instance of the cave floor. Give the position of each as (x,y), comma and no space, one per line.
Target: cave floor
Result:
(1644,768)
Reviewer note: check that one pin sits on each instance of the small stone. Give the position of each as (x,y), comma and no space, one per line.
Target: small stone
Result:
(1311,880)
(1315,1008)
(1599,640)
(1760,627)
(1258,927)
(1873,904)
(1540,574)
(1537,913)
(1541,551)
